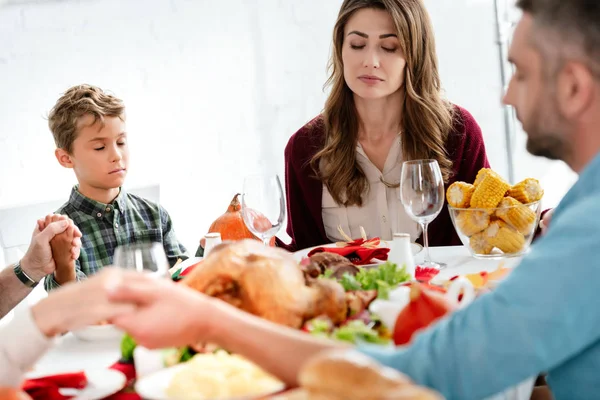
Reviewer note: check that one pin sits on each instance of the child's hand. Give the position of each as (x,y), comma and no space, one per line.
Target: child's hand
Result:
(76,244)
(65,250)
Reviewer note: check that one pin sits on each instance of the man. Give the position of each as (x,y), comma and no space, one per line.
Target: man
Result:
(17,281)
(540,319)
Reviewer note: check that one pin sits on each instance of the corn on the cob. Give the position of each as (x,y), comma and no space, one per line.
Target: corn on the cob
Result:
(527,191)
(490,189)
(480,175)
(480,244)
(504,237)
(470,222)
(459,194)
(517,215)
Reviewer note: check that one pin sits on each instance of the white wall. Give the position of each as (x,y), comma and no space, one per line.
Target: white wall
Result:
(213,88)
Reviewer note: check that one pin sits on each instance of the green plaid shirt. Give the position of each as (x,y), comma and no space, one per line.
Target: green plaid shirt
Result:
(128,219)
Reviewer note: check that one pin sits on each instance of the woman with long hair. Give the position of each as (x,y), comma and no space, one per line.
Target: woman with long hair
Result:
(385,107)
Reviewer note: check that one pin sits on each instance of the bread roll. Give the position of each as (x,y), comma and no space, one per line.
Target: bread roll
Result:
(351,375)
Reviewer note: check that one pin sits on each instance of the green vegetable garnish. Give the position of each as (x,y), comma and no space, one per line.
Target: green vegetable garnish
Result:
(357,331)
(328,274)
(350,283)
(320,325)
(382,278)
(186,353)
(128,345)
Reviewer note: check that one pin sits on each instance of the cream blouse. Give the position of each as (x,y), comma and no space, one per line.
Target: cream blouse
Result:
(382,212)
(22,344)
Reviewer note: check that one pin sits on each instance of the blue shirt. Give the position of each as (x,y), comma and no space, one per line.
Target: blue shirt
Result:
(542,318)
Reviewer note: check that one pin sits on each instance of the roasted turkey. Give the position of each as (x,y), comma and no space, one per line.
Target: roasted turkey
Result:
(320,262)
(267,282)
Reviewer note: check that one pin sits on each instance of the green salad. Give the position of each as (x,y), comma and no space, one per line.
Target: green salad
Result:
(171,356)
(381,278)
(354,331)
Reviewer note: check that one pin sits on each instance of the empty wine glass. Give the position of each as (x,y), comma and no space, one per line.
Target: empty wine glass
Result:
(263,207)
(142,257)
(422,195)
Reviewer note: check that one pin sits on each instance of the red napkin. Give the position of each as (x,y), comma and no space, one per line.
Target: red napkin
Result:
(188,270)
(358,255)
(425,274)
(46,388)
(127,369)
(123,395)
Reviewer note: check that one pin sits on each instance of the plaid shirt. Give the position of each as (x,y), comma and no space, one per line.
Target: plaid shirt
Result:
(128,219)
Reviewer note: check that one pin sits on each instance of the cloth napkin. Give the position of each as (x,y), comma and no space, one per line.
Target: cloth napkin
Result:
(358,255)
(127,369)
(179,274)
(47,388)
(425,274)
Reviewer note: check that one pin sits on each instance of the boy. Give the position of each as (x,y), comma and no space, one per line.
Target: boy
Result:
(88,126)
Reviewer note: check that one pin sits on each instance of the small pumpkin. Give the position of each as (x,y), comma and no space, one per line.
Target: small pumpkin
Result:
(15,394)
(424,309)
(231,225)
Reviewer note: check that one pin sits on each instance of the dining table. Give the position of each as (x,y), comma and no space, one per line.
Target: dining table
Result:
(72,354)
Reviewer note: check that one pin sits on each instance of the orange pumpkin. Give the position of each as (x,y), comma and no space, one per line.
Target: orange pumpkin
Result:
(231,225)
(424,309)
(13,394)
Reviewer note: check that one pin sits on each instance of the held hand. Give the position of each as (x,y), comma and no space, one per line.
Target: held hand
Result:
(75,306)
(65,246)
(168,314)
(75,233)
(38,261)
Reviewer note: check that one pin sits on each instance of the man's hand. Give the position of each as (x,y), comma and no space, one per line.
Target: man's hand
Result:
(38,261)
(545,222)
(167,314)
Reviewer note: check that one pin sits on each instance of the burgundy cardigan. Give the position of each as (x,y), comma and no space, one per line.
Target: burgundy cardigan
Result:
(304,191)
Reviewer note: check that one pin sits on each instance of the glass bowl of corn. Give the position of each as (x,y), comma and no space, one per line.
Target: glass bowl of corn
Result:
(492,218)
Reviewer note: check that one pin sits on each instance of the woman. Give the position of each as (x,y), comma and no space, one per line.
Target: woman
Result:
(385,107)
(29,335)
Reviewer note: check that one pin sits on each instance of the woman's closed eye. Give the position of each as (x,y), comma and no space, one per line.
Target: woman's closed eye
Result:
(386,49)
(99,148)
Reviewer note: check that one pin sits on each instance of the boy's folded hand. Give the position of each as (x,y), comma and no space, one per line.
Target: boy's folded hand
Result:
(65,250)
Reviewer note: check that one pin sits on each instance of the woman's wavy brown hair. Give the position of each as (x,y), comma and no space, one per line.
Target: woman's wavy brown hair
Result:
(426,119)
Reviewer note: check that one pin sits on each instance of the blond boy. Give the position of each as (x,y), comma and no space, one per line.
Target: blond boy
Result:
(88,126)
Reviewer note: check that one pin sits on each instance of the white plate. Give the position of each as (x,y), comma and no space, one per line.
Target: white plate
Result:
(300,254)
(98,332)
(154,385)
(101,383)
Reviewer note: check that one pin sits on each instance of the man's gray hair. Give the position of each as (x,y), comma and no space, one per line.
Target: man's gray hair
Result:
(567,29)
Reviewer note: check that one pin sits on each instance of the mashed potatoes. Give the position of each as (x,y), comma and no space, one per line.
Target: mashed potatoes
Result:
(220,376)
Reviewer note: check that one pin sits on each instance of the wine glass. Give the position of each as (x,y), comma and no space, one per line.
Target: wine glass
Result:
(142,257)
(422,195)
(263,207)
